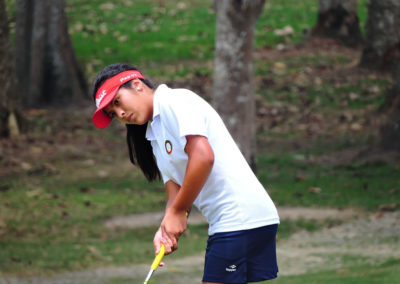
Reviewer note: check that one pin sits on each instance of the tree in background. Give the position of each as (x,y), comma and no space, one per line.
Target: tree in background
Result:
(9,116)
(47,69)
(390,132)
(233,90)
(382,44)
(382,52)
(338,19)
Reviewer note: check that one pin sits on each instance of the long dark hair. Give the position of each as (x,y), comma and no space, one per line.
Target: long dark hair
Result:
(140,150)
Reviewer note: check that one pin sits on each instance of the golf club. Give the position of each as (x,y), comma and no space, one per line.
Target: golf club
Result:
(155,264)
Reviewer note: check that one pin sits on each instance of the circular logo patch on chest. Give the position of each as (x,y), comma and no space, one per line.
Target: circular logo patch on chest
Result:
(168,147)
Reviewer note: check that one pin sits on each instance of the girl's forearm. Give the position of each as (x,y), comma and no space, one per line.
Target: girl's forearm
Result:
(172,190)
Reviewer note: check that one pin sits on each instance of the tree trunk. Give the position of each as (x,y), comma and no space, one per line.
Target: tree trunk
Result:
(233,91)
(338,19)
(47,69)
(9,115)
(382,44)
(390,132)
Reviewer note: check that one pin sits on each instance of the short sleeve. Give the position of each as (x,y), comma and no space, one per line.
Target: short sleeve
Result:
(187,114)
(164,177)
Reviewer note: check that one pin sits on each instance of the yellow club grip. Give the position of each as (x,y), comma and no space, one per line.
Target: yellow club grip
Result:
(158,258)
(160,255)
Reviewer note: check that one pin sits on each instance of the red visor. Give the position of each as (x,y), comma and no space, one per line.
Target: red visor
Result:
(106,93)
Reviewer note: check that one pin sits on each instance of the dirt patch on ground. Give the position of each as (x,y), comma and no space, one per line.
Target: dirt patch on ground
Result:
(148,220)
(285,213)
(370,156)
(370,240)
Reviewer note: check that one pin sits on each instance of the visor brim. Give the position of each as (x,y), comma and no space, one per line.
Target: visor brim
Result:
(100,118)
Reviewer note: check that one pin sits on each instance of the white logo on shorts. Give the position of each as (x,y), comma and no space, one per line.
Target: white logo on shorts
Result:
(231,268)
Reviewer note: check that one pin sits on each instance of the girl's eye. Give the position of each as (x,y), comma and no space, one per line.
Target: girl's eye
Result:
(111,114)
(116,102)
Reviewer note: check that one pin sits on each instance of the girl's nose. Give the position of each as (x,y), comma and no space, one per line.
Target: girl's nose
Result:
(121,113)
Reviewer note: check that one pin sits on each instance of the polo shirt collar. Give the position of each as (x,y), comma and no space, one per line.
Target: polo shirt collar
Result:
(156,110)
(156,102)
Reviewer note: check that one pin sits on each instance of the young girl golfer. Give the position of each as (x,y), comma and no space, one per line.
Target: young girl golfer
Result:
(176,135)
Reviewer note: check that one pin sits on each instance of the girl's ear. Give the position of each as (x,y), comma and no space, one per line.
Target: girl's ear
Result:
(137,85)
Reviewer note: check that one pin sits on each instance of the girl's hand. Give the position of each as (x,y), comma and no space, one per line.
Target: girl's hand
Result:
(173,226)
(158,240)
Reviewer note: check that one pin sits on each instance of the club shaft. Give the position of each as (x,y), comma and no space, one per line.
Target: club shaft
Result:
(148,276)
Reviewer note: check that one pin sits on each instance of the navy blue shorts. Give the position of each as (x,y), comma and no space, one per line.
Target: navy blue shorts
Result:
(241,256)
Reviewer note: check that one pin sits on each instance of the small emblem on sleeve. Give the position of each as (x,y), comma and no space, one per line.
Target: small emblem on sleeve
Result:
(168,147)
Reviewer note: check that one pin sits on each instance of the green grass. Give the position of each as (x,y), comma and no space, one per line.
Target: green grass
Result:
(364,186)
(141,32)
(76,248)
(387,273)
(155,33)
(362,11)
(300,15)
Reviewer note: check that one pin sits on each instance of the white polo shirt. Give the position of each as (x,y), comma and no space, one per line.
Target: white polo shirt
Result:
(232,198)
